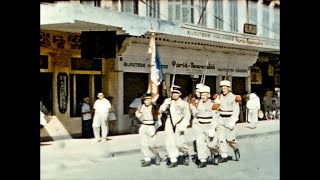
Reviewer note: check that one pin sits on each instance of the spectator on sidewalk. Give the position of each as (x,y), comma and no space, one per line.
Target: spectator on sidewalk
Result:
(149,116)
(253,106)
(100,120)
(87,131)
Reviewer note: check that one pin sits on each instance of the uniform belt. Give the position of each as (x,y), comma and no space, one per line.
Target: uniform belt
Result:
(148,121)
(204,117)
(225,115)
(225,111)
(149,124)
(204,122)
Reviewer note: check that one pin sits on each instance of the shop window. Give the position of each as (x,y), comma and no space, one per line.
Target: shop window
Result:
(134,83)
(46,93)
(80,85)
(238,85)
(44,62)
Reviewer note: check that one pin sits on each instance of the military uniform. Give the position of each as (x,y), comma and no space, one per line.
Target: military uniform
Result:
(148,116)
(205,125)
(229,110)
(178,119)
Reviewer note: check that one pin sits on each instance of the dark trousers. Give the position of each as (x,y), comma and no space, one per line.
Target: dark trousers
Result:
(87,131)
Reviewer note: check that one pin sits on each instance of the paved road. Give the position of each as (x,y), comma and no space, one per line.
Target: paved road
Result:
(260,160)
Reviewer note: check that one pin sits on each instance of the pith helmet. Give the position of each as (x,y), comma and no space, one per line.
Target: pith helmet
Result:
(204,89)
(225,83)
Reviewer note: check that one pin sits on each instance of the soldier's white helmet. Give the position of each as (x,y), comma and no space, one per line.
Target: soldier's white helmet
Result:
(225,83)
(198,86)
(204,89)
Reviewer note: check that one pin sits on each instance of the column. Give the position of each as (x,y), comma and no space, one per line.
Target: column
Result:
(259,17)
(163,10)
(142,8)
(242,15)
(210,13)
(271,17)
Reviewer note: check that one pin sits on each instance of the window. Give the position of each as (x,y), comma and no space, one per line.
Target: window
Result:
(276,23)
(202,13)
(233,16)
(86,64)
(129,6)
(181,10)
(265,21)
(44,62)
(80,87)
(252,12)
(153,8)
(218,14)
(134,83)
(187,12)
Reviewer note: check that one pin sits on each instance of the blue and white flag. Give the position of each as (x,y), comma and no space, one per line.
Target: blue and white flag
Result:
(156,74)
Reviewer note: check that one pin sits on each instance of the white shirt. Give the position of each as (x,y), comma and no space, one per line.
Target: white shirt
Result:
(43,121)
(102,105)
(86,108)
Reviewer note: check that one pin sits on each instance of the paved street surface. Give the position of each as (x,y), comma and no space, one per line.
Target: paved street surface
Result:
(82,159)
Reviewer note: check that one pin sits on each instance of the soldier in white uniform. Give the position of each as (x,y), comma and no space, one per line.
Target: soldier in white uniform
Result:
(148,114)
(194,103)
(205,122)
(178,119)
(100,120)
(229,110)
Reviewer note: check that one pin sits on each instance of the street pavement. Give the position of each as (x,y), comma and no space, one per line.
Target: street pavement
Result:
(129,144)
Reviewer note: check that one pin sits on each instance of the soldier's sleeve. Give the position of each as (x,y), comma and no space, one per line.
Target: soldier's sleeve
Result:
(186,118)
(164,106)
(138,113)
(236,109)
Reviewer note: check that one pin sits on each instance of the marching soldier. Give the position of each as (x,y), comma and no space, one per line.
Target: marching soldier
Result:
(205,125)
(148,115)
(229,113)
(178,119)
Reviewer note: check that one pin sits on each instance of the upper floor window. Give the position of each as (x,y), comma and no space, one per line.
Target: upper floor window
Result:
(218,14)
(153,8)
(265,21)
(130,6)
(233,16)
(276,23)
(252,12)
(202,13)
(181,10)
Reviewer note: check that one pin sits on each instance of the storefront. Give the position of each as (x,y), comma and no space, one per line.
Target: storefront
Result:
(133,67)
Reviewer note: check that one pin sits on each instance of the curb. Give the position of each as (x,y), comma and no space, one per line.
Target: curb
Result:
(190,143)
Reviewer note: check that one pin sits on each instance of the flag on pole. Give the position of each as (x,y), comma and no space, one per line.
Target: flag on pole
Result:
(156,74)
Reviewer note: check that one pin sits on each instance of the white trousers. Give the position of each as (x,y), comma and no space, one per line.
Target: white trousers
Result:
(205,138)
(148,141)
(100,120)
(175,141)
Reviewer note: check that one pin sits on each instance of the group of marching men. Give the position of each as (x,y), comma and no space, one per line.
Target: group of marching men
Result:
(214,121)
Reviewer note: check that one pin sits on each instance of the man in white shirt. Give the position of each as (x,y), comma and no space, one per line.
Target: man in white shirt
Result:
(100,120)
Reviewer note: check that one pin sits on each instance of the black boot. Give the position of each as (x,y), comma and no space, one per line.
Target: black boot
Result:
(186,160)
(157,160)
(216,159)
(202,165)
(237,154)
(173,164)
(145,163)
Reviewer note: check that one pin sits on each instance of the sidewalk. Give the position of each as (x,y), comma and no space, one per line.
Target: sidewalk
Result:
(130,144)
